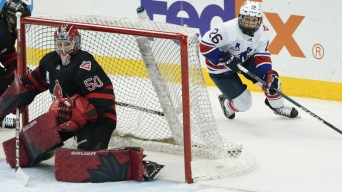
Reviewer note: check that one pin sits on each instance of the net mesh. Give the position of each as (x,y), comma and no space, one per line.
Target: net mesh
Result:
(140,115)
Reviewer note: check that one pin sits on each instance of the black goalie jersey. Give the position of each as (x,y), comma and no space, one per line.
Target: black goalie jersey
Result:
(8,55)
(83,75)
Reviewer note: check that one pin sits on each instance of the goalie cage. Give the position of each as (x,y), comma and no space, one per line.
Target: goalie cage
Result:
(159,87)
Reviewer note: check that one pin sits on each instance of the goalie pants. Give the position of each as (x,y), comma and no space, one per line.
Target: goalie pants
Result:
(93,135)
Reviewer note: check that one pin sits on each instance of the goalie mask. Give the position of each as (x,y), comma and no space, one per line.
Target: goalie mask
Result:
(250,17)
(67,42)
(9,10)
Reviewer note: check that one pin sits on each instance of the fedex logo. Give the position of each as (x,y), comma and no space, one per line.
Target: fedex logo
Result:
(229,10)
(195,20)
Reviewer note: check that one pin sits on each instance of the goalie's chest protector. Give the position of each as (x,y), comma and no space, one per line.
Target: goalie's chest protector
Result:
(82,75)
(62,80)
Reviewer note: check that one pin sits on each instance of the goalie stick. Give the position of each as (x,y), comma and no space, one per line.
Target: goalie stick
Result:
(19,173)
(244,70)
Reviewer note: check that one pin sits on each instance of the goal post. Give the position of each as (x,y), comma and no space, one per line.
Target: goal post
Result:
(162,102)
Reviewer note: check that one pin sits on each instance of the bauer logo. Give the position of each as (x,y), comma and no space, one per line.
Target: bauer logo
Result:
(28,2)
(29,125)
(185,13)
(83,153)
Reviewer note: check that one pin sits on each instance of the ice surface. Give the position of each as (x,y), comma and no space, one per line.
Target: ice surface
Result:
(293,155)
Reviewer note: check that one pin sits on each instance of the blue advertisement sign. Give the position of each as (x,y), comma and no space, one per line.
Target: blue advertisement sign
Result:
(194,19)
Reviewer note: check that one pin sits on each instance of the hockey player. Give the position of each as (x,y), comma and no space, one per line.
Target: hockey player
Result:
(8,54)
(83,107)
(243,40)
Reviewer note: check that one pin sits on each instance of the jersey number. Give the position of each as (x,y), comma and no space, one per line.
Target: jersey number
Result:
(215,38)
(92,83)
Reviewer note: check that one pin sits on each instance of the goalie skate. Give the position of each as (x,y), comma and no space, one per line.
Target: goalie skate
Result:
(151,170)
(286,111)
(227,112)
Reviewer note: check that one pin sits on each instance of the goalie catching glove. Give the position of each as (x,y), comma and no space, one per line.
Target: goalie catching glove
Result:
(272,82)
(71,113)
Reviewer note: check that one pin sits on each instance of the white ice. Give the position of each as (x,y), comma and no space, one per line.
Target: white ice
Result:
(293,155)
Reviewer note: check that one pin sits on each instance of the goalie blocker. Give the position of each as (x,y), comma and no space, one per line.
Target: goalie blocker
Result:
(16,95)
(38,141)
(95,166)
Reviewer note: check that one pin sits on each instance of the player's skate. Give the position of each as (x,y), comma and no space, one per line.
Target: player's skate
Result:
(289,112)
(226,111)
(8,122)
(151,170)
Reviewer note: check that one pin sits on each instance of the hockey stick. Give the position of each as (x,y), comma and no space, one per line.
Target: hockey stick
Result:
(139,108)
(244,70)
(19,173)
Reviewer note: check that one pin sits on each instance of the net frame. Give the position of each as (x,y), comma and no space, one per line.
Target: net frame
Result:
(181,37)
(129,31)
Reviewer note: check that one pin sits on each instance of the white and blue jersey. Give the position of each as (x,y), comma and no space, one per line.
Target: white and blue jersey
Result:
(227,38)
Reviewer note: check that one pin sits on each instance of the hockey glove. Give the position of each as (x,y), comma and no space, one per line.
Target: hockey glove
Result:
(72,113)
(64,112)
(17,95)
(273,84)
(231,62)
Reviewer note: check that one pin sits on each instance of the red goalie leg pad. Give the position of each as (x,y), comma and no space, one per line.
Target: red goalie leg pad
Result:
(137,170)
(10,149)
(99,165)
(40,138)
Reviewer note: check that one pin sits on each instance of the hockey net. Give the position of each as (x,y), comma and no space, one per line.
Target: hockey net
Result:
(162,101)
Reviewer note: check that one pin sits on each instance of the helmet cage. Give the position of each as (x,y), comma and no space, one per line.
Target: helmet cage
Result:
(67,42)
(67,39)
(249,24)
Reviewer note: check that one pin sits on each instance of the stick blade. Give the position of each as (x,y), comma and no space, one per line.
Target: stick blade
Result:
(22,176)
